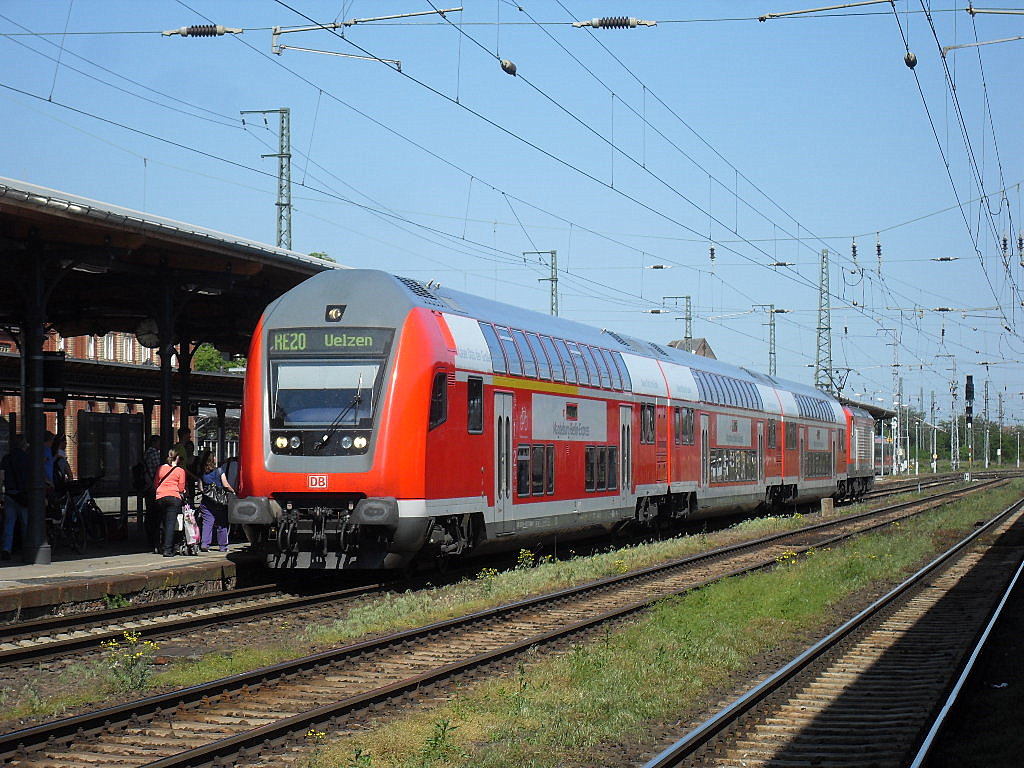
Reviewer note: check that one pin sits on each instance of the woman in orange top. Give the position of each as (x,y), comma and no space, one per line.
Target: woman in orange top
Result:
(169,483)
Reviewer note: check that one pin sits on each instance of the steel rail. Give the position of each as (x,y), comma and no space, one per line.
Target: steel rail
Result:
(18,742)
(703,733)
(161,623)
(929,740)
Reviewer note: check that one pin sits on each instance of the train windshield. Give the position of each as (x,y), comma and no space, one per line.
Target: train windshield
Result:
(315,394)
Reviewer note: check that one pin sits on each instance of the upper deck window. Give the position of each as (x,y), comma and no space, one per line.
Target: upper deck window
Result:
(498,364)
(609,363)
(543,369)
(567,361)
(515,362)
(598,364)
(557,371)
(620,365)
(582,371)
(529,362)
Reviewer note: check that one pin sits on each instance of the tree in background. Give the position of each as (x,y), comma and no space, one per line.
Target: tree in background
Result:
(322,255)
(208,358)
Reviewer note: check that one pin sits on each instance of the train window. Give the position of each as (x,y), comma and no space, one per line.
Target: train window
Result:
(688,426)
(732,391)
(596,378)
(307,394)
(790,431)
(582,372)
(537,470)
(557,372)
(439,400)
(610,365)
(498,364)
(543,369)
(529,362)
(515,363)
(475,405)
(647,422)
(613,467)
(589,469)
(602,367)
(567,362)
(677,425)
(549,469)
(602,467)
(772,437)
(842,441)
(620,365)
(523,470)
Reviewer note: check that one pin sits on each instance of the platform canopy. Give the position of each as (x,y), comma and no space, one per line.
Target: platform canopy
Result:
(103,268)
(78,267)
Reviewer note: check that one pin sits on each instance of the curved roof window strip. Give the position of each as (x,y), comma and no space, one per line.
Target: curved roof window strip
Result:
(526,353)
(596,369)
(571,376)
(609,362)
(515,362)
(498,362)
(557,370)
(583,373)
(543,364)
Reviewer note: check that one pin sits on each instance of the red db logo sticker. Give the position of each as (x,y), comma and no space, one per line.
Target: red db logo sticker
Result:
(317,481)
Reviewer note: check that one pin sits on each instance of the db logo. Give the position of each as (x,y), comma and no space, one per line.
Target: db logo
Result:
(317,481)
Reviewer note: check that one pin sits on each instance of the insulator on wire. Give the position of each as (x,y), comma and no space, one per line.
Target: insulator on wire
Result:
(1005,247)
(712,253)
(853,251)
(878,253)
(203,30)
(615,22)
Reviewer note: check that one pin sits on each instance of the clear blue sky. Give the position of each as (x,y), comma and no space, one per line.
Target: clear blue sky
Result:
(618,148)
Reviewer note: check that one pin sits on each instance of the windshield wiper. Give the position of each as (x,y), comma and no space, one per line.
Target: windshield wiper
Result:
(336,424)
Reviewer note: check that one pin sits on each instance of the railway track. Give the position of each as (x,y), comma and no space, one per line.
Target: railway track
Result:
(241,717)
(34,641)
(40,639)
(867,693)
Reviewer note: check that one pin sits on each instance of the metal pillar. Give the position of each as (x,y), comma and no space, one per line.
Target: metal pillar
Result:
(823,357)
(284,173)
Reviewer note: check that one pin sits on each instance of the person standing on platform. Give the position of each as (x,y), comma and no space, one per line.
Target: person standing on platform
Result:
(61,467)
(169,485)
(215,514)
(14,471)
(185,447)
(150,467)
(187,451)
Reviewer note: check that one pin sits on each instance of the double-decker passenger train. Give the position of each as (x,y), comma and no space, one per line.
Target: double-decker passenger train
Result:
(386,420)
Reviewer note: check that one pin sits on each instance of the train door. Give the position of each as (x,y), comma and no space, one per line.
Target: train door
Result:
(625,451)
(705,452)
(803,463)
(504,522)
(760,452)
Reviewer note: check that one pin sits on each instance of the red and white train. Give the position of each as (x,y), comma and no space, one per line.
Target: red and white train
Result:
(386,420)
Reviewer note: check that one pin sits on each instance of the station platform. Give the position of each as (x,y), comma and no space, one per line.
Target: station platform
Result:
(120,566)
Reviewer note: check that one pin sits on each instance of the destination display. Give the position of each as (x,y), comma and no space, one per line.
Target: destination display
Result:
(329,341)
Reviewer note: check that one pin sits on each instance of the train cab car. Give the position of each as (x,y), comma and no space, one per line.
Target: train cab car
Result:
(386,421)
(860,445)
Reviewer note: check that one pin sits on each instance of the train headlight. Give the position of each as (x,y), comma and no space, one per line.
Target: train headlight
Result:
(346,442)
(295,442)
(281,442)
(359,442)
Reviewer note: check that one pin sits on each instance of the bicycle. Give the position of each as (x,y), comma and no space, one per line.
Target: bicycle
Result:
(76,518)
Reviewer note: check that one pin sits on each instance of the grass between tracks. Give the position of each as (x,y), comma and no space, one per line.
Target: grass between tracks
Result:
(85,683)
(572,709)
